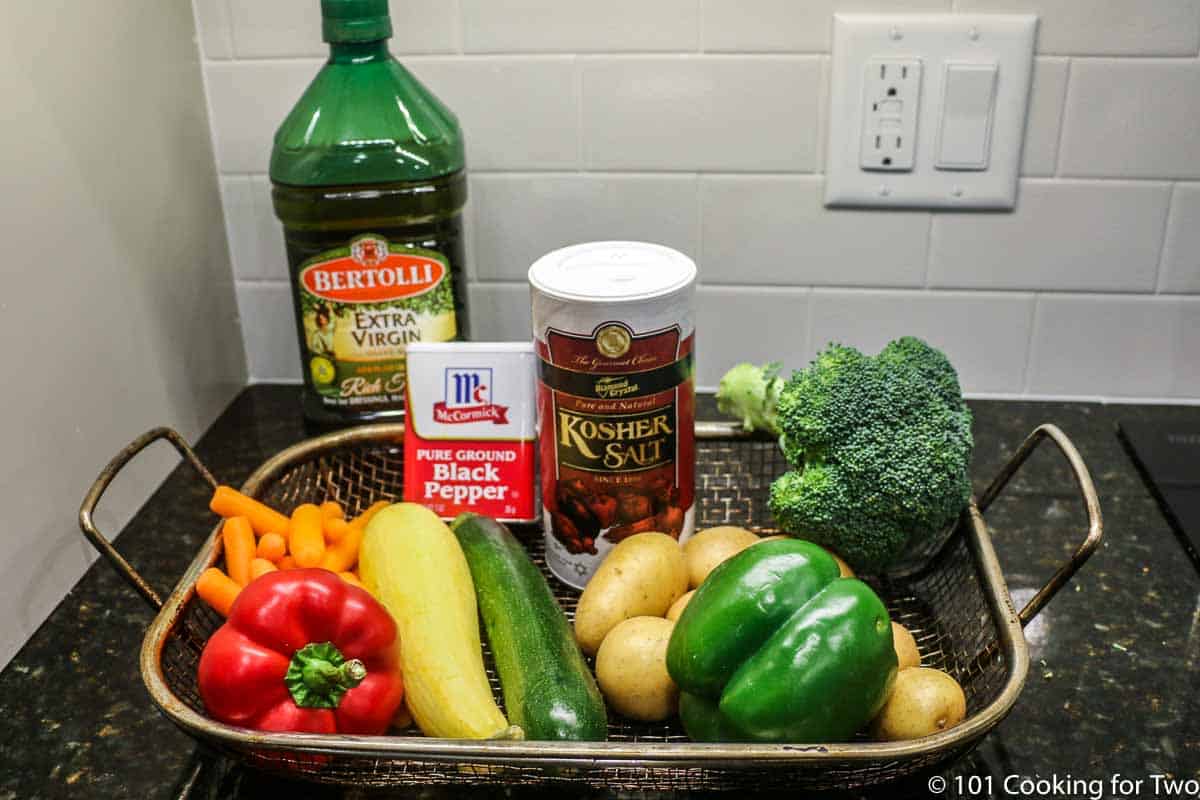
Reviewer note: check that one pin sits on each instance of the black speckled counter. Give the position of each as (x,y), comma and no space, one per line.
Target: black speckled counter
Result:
(1113,685)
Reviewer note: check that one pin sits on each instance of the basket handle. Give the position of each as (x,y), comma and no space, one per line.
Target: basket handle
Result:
(86,511)
(1083,480)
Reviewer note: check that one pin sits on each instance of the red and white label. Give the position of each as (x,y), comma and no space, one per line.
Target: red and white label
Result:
(469,437)
(372,274)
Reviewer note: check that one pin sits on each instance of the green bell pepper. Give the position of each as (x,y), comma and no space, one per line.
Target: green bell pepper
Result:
(776,647)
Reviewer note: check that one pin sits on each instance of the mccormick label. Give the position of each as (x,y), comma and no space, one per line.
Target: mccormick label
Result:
(617,440)
(469,435)
(361,306)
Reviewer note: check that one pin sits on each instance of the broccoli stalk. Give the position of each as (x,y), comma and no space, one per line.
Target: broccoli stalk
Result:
(880,448)
(751,394)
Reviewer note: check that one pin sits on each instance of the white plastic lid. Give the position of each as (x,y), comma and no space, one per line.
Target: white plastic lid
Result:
(612,272)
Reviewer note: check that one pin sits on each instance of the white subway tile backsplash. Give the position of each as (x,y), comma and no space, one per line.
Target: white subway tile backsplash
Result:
(269,330)
(575,26)
(255,235)
(1181,252)
(424,26)
(1132,119)
(516,113)
(749,324)
(1185,372)
(754,114)
(1063,235)
(1044,123)
(241,223)
(555,210)
(776,230)
(983,334)
(212,23)
(1106,27)
(287,28)
(249,101)
(601,120)
(798,26)
(500,312)
(277,28)
(1118,346)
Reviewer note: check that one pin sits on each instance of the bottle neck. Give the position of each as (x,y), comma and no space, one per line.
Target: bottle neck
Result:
(359,52)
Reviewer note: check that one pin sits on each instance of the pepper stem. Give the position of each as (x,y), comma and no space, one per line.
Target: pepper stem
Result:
(319,676)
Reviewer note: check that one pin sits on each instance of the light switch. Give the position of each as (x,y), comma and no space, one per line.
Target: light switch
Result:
(965,132)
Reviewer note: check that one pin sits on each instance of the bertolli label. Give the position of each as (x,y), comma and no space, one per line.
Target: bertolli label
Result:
(361,306)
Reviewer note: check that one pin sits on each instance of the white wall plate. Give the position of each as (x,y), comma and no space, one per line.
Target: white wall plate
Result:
(969,106)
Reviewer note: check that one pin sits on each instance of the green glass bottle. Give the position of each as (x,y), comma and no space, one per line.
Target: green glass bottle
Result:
(369,183)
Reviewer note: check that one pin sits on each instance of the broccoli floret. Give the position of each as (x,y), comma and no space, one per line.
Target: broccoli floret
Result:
(881,448)
(751,393)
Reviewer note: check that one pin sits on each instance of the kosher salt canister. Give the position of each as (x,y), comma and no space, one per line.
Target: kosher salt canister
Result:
(614,329)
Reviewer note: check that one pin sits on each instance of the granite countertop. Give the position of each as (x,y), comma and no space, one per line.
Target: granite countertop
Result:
(1112,685)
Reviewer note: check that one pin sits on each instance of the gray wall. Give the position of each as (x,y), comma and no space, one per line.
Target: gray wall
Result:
(118,310)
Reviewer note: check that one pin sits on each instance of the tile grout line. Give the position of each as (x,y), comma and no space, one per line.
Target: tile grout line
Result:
(810,348)
(635,172)
(928,251)
(459,28)
(228,4)
(526,172)
(1062,122)
(1027,375)
(1162,242)
(751,55)
(580,146)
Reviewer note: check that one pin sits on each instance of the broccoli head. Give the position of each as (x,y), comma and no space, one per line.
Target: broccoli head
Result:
(751,394)
(880,448)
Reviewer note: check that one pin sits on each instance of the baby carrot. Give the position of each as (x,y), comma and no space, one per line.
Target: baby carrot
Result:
(343,554)
(332,509)
(351,578)
(239,548)
(231,503)
(306,540)
(335,528)
(346,538)
(365,517)
(218,590)
(260,567)
(272,546)
(287,562)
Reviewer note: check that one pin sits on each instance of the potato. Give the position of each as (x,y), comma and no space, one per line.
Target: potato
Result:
(923,701)
(708,548)
(641,576)
(906,646)
(679,605)
(631,669)
(842,565)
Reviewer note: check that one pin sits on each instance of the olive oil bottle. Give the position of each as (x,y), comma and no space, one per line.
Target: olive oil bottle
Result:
(369,182)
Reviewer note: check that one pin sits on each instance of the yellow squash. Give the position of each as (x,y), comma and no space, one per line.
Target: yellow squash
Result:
(412,562)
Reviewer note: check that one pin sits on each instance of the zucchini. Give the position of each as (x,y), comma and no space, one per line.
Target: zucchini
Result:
(413,564)
(548,689)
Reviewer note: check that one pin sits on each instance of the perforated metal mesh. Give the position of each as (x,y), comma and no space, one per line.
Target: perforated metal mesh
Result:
(943,604)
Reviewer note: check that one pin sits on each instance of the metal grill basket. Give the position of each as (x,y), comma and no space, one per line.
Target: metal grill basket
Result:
(955,603)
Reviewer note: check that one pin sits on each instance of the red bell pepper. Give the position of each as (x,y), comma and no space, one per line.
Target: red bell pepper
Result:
(302,650)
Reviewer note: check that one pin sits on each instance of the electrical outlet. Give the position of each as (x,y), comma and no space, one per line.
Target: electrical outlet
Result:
(927,110)
(891,100)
